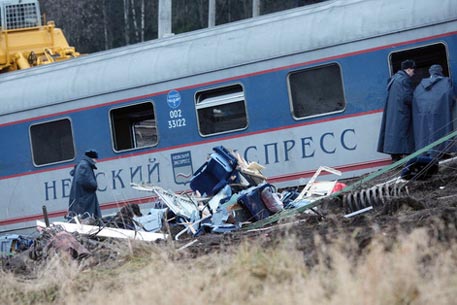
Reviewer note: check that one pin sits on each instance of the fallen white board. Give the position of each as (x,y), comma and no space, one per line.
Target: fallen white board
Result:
(105,231)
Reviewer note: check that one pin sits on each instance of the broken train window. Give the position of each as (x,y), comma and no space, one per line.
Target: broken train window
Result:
(424,57)
(134,126)
(52,142)
(221,110)
(316,91)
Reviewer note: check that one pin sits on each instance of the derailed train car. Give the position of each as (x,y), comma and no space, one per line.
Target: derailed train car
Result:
(292,91)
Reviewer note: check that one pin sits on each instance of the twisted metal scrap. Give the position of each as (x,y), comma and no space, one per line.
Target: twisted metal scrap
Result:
(375,196)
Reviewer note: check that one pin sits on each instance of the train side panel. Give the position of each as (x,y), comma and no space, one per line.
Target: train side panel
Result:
(291,142)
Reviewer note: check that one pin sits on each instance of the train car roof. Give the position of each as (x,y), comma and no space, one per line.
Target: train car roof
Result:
(303,29)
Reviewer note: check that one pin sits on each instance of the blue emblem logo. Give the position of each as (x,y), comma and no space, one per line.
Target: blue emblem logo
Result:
(174,99)
(182,167)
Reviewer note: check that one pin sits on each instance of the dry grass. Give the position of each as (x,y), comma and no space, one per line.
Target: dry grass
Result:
(416,270)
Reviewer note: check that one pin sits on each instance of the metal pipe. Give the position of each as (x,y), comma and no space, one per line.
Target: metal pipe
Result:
(211,13)
(45,215)
(164,18)
(255,8)
(359,212)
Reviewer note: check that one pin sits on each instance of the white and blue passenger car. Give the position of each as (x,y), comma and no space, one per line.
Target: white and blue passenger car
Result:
(292,91)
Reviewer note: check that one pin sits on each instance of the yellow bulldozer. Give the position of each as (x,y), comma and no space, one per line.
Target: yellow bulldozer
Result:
(24,41)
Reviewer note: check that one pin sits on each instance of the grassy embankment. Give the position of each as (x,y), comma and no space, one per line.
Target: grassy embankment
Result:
(415,270)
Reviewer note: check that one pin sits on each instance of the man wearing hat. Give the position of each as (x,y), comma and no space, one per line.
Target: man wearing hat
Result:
(83,199)
(396,134)
(433,103)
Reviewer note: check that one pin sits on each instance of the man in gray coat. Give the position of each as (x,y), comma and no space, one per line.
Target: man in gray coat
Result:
(433,102)
(396,134)
(83,199)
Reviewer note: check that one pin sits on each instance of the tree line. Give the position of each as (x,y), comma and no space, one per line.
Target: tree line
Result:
(92,26)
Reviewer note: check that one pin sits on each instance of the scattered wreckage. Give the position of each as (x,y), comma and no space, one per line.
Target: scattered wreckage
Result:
(227,193)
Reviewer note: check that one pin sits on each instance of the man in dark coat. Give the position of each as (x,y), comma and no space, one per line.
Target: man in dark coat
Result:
(83,198)
(396,134)
(433,102)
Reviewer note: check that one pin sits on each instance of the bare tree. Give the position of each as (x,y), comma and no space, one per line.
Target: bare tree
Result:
(108,44)
(142,20)
(126,22)
(91,25)
(135,24)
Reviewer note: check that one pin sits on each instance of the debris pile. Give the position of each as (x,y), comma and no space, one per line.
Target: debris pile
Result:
(228,193)
(51,241)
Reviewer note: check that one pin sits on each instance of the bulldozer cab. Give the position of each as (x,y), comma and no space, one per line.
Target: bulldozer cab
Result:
(25,42)
(19,14)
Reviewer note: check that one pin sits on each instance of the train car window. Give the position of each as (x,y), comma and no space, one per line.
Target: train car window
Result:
(134,126)
(221,110)
(316,91)
(52,142)
(424,57)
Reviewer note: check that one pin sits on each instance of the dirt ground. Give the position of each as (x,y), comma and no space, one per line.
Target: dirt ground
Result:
(428,203)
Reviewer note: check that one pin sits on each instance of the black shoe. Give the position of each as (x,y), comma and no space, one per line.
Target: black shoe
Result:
(396,157)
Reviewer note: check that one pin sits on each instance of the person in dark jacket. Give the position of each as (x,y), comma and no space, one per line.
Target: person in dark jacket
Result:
(433,103)
(396,134)
(83,197)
